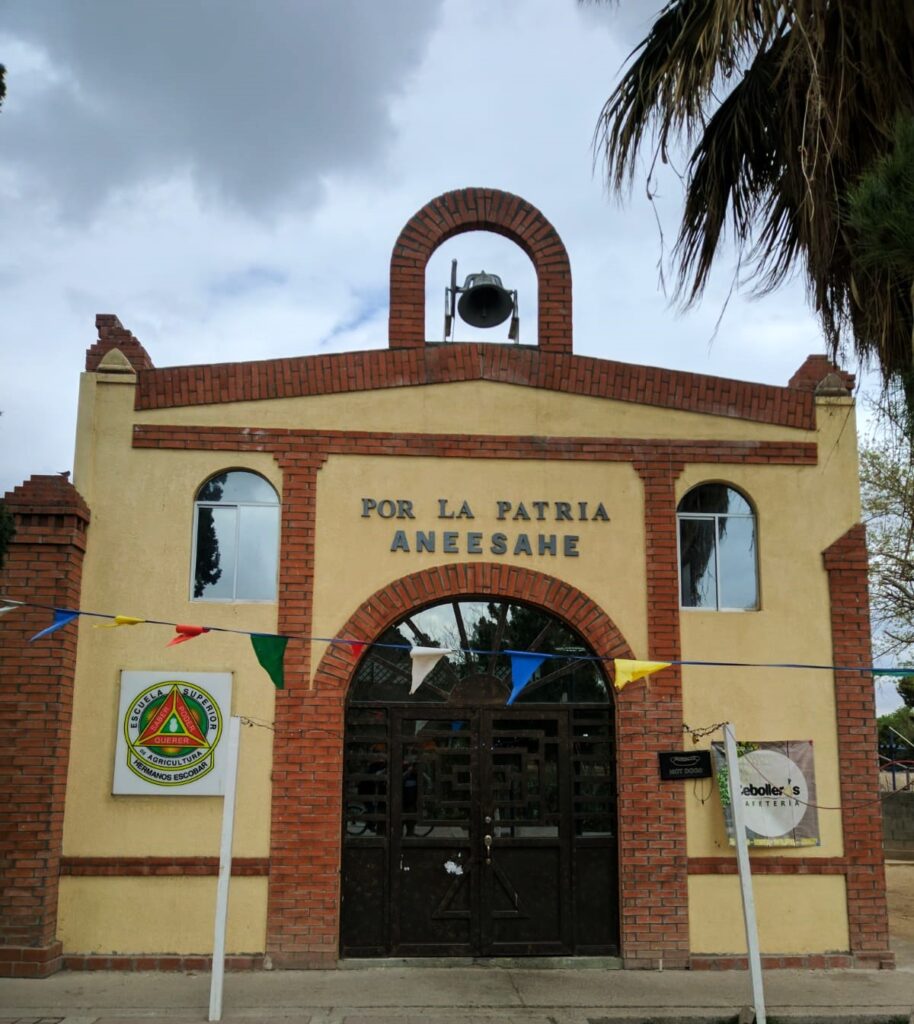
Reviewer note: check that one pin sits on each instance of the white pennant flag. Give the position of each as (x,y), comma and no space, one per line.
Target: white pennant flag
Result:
(424,660)
(6,605)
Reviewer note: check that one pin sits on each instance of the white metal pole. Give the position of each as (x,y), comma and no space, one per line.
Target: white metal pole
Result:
(225,870)
(745,873)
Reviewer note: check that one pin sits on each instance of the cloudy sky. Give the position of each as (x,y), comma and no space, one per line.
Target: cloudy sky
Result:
(228,177)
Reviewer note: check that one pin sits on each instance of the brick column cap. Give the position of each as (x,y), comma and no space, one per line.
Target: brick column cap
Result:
(47,495)
(815,369)
(113,335)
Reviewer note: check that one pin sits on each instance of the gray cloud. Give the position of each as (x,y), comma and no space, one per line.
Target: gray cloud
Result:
(256,102)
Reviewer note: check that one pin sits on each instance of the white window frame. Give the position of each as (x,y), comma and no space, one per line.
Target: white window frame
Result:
(235,506)
(715,517)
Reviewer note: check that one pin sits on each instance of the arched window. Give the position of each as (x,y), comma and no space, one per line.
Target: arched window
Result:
(718,566)
(488,625)
(236,539)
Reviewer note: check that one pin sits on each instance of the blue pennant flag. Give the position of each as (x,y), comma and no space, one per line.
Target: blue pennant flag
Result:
(61,617)
(523,666)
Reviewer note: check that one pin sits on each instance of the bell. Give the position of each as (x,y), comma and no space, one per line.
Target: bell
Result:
(484,301)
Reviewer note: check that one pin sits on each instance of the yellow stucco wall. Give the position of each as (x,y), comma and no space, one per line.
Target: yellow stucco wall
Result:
(473,407)
(354,557)
(805,914)
(128,915)
(141,530)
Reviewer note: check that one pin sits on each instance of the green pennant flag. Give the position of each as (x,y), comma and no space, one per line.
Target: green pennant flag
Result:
(270,651)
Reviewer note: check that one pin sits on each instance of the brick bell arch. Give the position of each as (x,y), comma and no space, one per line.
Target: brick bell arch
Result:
(479,209)
(303,905)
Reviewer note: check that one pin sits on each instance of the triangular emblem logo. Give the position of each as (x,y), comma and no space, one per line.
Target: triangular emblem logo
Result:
(172,725)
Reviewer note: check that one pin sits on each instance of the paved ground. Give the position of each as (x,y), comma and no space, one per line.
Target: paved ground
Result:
(482,994)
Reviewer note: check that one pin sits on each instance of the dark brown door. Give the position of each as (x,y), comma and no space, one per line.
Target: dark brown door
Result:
(470,832)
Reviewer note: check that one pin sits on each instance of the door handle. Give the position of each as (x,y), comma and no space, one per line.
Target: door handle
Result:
(487,842)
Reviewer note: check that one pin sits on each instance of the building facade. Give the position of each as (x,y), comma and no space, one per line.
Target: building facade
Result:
(485,498)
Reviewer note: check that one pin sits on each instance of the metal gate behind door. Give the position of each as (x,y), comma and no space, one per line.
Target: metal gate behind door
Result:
(479,832)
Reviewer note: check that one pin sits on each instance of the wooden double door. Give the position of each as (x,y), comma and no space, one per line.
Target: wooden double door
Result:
(479,832)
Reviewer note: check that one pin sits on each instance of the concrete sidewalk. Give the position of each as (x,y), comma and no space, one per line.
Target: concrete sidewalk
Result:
(477,994)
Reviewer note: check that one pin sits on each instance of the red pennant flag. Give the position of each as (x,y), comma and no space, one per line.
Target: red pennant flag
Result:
(186,633)
(357,646)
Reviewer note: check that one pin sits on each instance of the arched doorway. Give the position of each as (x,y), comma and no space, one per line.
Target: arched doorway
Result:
(471,828)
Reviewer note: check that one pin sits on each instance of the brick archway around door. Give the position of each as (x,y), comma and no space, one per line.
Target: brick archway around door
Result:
(479,209)
(303,910)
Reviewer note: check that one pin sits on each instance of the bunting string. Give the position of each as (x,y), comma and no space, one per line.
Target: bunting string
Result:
(270,648)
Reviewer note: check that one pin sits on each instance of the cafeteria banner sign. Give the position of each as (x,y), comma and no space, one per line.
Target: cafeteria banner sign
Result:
(777,784)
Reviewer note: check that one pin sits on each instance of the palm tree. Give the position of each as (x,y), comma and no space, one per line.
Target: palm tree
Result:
(784,105)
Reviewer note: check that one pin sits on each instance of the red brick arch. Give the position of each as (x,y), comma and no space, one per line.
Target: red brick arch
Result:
(467,580)
(303,905)
(479,209)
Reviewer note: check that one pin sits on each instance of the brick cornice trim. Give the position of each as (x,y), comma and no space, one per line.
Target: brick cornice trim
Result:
(771,865)
(648,456)
(342,373)
(128,867)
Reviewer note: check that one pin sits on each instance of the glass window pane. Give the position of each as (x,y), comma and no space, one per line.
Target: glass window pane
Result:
(738,582)
(697,569)
(258,553)
(464,678)
(715,498)
(214,568)
(238,485)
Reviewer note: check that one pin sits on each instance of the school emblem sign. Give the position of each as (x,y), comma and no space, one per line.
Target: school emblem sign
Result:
(169,730)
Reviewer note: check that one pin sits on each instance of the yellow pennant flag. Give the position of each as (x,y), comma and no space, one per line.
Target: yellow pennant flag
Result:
(120,620)
(628,671)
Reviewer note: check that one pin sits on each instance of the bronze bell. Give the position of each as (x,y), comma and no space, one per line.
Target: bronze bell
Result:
(484,301)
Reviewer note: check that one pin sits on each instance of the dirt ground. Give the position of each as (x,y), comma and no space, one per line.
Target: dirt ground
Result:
(899,876)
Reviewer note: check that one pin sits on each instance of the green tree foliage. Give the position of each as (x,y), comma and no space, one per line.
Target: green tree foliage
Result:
(881,218)
(902,722)
(887,499)
(784,105)
(906,691)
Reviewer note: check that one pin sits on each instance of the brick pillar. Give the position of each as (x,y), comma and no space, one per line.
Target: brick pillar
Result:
(307,756)
(861,810)
(652,829)
(44,566)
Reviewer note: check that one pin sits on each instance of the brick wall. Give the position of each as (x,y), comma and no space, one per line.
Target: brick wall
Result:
(44,565)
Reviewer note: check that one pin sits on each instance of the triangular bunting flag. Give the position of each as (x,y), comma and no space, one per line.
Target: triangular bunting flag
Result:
(523,665)
(7,605)
(424,660)
(186,633)
(270,651)
(119,620)
(628,671)
(357,646)
(61,617)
